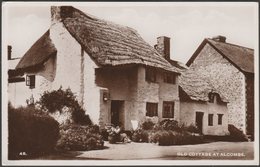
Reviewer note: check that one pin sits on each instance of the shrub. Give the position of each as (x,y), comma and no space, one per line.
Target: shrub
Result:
(80,138)
(169,137)
(104,134)
(169,124)
(192,128)
(236,134)
(167,132)
(31,131)
(56,100)
(140,135)
(147,125)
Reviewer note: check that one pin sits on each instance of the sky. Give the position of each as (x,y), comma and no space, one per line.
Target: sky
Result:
(187,24)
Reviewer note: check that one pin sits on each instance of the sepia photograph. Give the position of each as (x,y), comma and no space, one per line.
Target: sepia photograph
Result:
(130,83)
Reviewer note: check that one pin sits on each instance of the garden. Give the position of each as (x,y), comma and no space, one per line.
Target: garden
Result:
(35,131)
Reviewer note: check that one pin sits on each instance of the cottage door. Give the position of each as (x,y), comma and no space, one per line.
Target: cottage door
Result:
(199,121)
(117,113)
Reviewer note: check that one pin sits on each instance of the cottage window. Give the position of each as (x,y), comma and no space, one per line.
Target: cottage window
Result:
(150,75)
(210,120)
(168,109)
(211,97)
(169,78)
(151,109)
(220,117)
(30,81)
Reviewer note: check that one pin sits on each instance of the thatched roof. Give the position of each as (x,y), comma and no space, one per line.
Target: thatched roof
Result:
(196,87)
(107,43)
(39,52)
(241,57)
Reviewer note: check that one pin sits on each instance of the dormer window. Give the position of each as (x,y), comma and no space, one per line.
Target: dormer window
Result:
(211,97)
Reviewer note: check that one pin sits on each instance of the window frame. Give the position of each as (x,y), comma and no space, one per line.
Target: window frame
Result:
(30,81)
(220,119)
(150,74)
(169,78)
(170,114)
(210,119)
(150,111)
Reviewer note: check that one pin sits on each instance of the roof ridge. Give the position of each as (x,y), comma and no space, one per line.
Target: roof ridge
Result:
(230,44)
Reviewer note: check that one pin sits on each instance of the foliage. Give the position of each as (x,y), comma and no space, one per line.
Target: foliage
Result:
(147,125)
(80,138)
(114,135)
(192,128)
(140,135)
(236,134)
(104,133)
(56,100)
(169,137)
(167,132)
(31,131)
(169,124)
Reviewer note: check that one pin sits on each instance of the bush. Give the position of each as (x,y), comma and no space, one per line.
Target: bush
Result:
(236,134)
(104,134)
(169,137)
(140,135)
(56,100)
(31,131)
(147,125)
(168,124)
(167,132)
(192,128)
(80,138)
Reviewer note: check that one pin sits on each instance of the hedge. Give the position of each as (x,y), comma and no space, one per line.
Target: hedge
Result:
(31,131)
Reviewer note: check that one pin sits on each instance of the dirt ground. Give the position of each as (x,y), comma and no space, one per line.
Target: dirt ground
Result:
(139,151)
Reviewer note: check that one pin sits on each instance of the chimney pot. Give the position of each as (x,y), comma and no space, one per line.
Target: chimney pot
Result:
(219,38)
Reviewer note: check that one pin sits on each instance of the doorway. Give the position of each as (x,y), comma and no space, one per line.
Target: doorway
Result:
(199,121)
(117,113)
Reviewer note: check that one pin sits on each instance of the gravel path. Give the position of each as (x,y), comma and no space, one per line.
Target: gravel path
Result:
(137,151)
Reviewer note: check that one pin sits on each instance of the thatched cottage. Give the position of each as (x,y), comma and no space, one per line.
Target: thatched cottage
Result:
(116,76)
(202,105)
(229,69)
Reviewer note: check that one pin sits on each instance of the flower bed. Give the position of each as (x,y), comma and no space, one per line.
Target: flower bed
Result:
(167,132)
(80,138)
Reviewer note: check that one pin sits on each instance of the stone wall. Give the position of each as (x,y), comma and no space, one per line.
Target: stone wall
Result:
(225,78)
(188,116)
(250,104)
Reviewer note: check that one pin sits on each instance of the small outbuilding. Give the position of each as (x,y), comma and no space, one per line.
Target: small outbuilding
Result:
(202,106)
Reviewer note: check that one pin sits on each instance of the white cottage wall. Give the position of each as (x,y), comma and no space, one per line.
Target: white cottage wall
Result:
(188,116)
(68,64)
(18,93)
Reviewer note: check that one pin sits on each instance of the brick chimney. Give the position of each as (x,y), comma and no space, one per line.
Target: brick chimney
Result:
(163,46)
(219,38)
(9,52)
(59,12)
